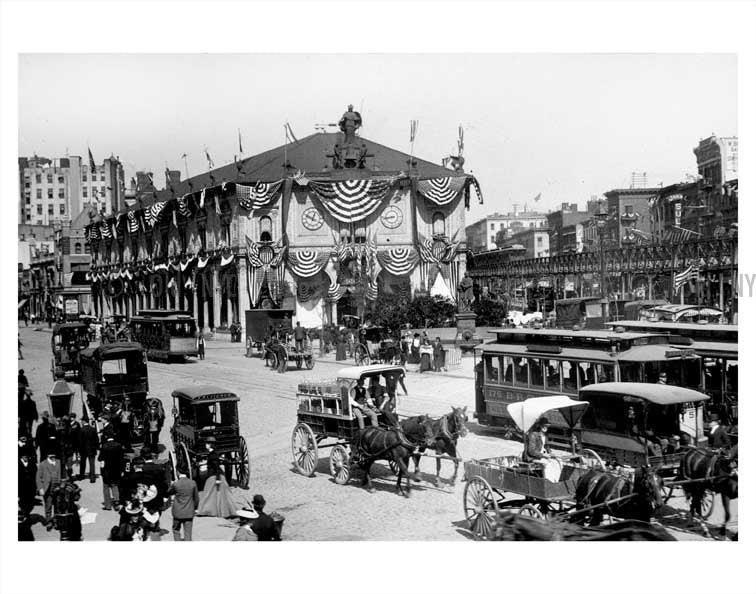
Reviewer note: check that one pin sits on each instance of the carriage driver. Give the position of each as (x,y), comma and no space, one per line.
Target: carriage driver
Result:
(536,450)
(361,405)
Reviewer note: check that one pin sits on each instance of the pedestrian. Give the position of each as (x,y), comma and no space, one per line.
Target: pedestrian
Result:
(26,448)
(216,500)
(20,344)
(70,442)
(67,519)
(299,337)
(185,503)
(27,483)
(89,445)
(111,459)
(27,413)
(46,436)
(131,526)
(24,526)
(718,438)
(124,418)
(22,379)
(153,423)
(201,346)
(48,477)
(263,526)
(438,354)
(245,533)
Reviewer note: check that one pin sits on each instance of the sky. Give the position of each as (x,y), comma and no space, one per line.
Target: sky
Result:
(566,126)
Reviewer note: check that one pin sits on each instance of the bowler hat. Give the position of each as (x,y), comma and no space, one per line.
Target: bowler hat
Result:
(258,500)
(210,439)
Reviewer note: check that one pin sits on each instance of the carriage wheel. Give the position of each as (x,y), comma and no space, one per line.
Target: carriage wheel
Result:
(242,468)
(271,360)
(707,504)
(299,362)
(481,507)
(183,459)
(361,355)
(592,458)
(304,449)
(339,464)
(172,465)
(310,362)
(531,511)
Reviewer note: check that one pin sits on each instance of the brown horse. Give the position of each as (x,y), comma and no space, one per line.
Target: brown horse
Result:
(517,527)
(704,470)
(642,495)
(397,445)
(446,431)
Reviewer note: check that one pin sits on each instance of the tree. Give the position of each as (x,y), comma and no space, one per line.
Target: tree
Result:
(391,311)
(489,312)
(432,312)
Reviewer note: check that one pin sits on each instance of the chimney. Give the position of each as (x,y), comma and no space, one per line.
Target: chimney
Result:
(172,177)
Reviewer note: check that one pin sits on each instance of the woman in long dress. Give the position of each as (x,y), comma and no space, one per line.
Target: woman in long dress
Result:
(216,499)
(341,347)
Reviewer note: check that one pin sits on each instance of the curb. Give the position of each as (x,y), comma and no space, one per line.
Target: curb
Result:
(412,371)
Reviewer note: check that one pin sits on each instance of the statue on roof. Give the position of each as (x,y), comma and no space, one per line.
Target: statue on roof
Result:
(349,123)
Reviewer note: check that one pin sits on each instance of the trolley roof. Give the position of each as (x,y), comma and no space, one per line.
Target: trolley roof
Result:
(725,330)
(648,352)
(116,350)
(655,393)
(367,370)
(204,393)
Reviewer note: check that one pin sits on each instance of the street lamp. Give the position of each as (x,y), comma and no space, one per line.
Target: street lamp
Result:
(601,217)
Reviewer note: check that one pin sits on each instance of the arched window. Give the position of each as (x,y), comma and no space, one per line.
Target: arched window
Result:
(266,229)
(439,224)
(77,248)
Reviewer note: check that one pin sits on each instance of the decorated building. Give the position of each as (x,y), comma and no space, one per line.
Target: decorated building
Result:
(323,225)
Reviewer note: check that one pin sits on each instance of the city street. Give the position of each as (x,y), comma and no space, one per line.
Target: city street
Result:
(314,508)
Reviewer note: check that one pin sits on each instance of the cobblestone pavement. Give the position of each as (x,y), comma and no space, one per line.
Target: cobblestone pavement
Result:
(315,508)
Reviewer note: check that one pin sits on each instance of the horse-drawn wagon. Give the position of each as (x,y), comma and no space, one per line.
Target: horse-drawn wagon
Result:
(279,353)
(376,345)
(202,412)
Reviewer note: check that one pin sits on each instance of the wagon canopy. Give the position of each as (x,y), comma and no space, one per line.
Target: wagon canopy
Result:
(118,350)
(206,393)
(527,412)
(367,370)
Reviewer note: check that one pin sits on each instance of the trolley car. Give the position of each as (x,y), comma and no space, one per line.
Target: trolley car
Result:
(165,334)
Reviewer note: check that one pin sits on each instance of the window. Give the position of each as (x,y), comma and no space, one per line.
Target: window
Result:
(84,177)
(493,226)
(493,238)
(102,176)
(49,193)
(520,371)
(27,185)
(38,178)
(493,370)
(39,194)
(628,209)
(77,248)
(84,192)
(49,178)
(266,229)
(360,233)
(51,210)
(539,240)
(61,179)
(439,224)
(61,194)
(553,372)
(501,225)
(62,209)
(28,199)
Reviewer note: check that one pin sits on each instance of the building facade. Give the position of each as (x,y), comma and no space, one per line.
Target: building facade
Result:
(322,226)
(487,233)
(56,190)
(629,222)
(534,241)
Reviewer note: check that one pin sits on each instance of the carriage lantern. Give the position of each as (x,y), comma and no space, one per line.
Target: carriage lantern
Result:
(60,399)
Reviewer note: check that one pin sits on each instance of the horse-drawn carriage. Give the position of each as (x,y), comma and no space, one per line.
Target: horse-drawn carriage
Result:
(67,341)
(201,412)
(376,345)
(324,412)
(280,352)
(261,324)
(114,377)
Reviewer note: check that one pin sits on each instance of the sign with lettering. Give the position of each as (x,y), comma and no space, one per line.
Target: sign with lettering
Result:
(72,307)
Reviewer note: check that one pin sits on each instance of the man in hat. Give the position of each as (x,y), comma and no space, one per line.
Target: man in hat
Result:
(662,378)
(70,442)
(111,458)
(48,477)
(22,379)
(27,482)
(46,436)
(263,525)
(185,503)
(89,445)
(124,418)
(27,411)
(153,423)
(245,532)
(718,438)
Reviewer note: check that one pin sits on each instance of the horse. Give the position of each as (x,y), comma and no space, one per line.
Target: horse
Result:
(643,496)
(66,518)
(446,431)
(711,470)
(378,443)
(516,527)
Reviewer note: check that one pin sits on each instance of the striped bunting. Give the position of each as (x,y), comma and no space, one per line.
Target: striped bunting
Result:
(152,214)
(183,205)
(399,260)
(253,253)
(372,291)
(307,263)
(107,232)
(425,247)
(259,195)
(351,201)
(478,191)
(441,190)
(133,222)
(225,261)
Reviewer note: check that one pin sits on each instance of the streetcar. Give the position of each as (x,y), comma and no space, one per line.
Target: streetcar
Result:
(526,363)
(165,334)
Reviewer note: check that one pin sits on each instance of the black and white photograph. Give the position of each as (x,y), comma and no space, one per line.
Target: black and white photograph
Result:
(411,313)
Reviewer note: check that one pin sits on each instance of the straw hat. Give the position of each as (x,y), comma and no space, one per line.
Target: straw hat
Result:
(245,512)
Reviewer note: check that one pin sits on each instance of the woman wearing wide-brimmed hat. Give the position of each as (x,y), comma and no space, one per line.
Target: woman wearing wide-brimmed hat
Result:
(246,516)
(216,499)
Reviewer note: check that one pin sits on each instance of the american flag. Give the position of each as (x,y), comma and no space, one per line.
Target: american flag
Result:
(152,214)
(133,222)
(689,273)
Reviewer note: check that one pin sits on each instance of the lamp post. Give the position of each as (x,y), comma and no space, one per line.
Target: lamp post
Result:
(601,217)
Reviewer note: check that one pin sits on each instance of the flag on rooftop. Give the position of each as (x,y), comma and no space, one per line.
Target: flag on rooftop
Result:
(92,165)
(537,198)
(210,163)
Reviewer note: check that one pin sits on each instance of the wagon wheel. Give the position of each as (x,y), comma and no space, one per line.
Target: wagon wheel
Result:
(242,468)
(593,459)
(284,356)
(310,362)
(481,507)
(361,355)
(707,504)
(271,360)
(339,464)
(172,466)
(304,449)
(531,511)
(183,459)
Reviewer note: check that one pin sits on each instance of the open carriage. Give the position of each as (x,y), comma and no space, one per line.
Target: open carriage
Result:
(376,345)
(325,419)
(200,412)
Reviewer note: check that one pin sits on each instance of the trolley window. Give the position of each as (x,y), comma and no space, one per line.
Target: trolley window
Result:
(570,376)
(731,376)
(553,372)
(604,372)
(494,373)
(536,373)
(520,371)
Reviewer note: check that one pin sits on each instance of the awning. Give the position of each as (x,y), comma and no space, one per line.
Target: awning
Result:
(527,412)
(22,303)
